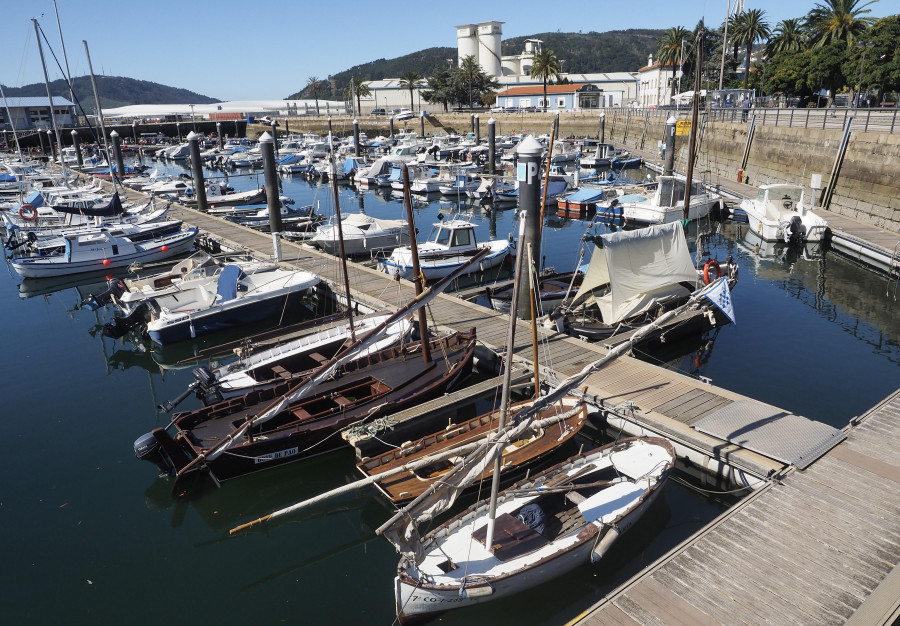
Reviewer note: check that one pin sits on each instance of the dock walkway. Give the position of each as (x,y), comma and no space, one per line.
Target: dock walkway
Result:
(819,546)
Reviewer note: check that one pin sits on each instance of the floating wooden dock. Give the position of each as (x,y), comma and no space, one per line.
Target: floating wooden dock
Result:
(818,546)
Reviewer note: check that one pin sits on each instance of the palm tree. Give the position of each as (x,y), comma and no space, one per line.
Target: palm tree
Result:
(470,72)
(750,28)
(838,20)
(314,83)
(411,80)
(788,36)
(545,66)
(357,89)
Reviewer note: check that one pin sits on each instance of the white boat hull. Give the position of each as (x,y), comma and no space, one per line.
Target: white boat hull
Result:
(401,262)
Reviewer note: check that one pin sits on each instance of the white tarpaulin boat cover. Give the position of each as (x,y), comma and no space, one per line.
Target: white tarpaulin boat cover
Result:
(639,267)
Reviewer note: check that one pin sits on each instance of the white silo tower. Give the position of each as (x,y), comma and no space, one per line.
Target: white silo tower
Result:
(466,42)
(489,36)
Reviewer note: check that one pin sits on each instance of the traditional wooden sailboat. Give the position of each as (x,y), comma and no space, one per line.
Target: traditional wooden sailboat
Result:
(287,422)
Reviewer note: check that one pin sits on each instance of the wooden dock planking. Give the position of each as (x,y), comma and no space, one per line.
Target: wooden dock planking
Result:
(819,547)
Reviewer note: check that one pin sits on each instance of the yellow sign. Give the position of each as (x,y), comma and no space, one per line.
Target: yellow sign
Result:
(682,128)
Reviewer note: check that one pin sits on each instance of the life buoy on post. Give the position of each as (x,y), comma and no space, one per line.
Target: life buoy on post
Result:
(711,264)
(27,212)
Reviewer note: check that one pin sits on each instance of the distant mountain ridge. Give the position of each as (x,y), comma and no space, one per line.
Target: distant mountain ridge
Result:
(115,91)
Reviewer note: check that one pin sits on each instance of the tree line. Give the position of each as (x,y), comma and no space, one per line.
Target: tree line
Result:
(835,48)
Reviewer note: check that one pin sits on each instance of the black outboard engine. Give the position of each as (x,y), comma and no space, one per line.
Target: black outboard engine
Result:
(207,389)
(115,287)
(120,326)
(147,448)
(794,231)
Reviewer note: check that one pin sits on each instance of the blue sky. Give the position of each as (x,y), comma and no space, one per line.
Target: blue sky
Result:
(240,50)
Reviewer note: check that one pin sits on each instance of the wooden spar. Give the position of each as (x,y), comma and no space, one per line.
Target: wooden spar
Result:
(418,276)
(507,378)
(547,173)
(340,234)
(461,450)
(692,141)
(273,408)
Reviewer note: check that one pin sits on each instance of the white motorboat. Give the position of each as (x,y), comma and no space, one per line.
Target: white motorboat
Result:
(228,299)
(362,235)
(779,213)
(100,250)
(450,244)
(667,202)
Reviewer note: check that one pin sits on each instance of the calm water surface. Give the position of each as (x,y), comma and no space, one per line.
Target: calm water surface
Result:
(91,535)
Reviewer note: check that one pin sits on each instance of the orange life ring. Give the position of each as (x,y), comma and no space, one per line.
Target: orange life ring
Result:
(28,212)
(711,264)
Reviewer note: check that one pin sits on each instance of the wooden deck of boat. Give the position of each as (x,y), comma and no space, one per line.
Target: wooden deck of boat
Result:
(819,546)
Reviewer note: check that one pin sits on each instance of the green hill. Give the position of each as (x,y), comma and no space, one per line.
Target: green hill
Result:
(613,51)
(115,91)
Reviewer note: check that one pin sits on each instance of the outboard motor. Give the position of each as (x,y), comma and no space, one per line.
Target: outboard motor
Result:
(794,232)
(120,326)
(115,287)
(207,387)
(146,448)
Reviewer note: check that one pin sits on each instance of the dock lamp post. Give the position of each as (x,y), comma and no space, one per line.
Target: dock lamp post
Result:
(193,122)
(862,62)
(680,74)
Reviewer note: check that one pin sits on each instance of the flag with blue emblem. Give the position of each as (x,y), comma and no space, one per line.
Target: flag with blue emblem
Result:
(720,295)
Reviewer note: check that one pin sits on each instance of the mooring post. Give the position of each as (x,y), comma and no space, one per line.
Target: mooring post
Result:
(492,144)
(219,136)
(477,129)
(117,154)
(528,174)
(669,164)
(472,122)
(274,126)
(267,148)
(77,149)
(356,149)
(178,130)
(422,123)
(197,169)
(329,125)
(602,127)
(392,126)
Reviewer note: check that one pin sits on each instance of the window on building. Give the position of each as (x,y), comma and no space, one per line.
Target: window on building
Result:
(560,103)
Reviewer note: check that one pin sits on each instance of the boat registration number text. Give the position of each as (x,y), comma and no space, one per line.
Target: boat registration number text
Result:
(281,454)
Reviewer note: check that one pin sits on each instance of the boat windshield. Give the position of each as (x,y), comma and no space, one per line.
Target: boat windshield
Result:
(785,193)
(440,235)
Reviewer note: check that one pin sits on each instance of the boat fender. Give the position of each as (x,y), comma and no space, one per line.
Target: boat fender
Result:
(604,542)
(27,212)
(712,264)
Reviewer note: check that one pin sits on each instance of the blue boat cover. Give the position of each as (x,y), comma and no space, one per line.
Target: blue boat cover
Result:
(350,165)
(7,178)
(585,194)
(35,199)
(226,286)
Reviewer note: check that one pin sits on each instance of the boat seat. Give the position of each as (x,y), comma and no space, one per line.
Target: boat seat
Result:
(574,497)
(227,285)
(315,356)
(280,371)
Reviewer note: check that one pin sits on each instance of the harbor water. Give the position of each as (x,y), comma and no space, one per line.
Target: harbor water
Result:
(93,536)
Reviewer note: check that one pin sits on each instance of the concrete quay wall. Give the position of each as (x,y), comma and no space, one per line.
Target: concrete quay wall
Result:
(867,189)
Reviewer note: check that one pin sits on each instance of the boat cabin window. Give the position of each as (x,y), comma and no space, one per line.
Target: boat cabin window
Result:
(462,237)
(780,194)
(671,190)
(440,235)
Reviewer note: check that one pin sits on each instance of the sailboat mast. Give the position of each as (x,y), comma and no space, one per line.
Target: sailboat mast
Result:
(692,142)
(340,234)
(37,34)
(507,381)
(418,277)
(99,111)
(62,43)
(11,123)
